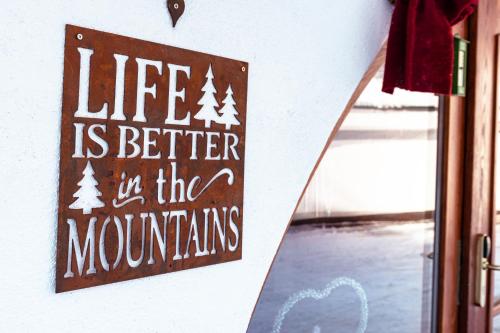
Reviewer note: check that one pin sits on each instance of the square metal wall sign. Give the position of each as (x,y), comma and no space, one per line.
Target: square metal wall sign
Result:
(151,159)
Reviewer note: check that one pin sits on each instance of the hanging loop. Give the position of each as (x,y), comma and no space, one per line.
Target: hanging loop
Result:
(176,9)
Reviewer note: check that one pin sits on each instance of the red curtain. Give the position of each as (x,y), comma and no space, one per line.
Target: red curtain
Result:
(420,45)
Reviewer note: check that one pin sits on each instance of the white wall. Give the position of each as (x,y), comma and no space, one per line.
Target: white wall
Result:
(305,59)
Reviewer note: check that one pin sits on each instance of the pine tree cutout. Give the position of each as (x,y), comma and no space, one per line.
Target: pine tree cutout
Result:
(87,195)
(228,112)
(207,101)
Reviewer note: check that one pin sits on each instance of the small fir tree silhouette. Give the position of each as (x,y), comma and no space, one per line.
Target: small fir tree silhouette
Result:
(207,101)
(228,112)
(87,195)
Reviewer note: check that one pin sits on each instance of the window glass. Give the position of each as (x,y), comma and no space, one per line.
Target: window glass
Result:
(358,256)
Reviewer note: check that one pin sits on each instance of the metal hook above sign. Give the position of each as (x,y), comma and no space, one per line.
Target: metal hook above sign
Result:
(176,9)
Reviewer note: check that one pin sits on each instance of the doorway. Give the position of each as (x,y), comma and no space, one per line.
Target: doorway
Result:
(358,256)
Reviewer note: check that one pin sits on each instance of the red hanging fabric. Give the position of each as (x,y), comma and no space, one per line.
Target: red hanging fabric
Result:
(420,46)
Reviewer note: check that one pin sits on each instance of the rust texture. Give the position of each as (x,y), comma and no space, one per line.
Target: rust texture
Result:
(141,196)
(176,9)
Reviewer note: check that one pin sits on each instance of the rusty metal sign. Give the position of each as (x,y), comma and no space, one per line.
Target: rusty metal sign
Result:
(152,156)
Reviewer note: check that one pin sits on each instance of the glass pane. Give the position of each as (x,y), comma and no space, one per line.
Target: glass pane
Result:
(496,324)
(356,258)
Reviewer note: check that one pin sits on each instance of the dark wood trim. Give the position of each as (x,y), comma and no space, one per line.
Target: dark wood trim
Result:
(450,201)
(478,213)
(369,74)
(450,214)
(389,217)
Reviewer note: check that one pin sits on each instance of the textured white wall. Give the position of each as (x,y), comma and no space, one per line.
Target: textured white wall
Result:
(305,59)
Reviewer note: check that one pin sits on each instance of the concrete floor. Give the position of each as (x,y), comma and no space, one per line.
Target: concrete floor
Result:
(386,260)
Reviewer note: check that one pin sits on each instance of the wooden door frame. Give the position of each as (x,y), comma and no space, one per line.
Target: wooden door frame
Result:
(449,213)
(470,202)
(495,304)
(467,178)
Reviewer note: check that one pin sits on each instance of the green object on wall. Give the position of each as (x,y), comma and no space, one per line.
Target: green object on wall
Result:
(460,66)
